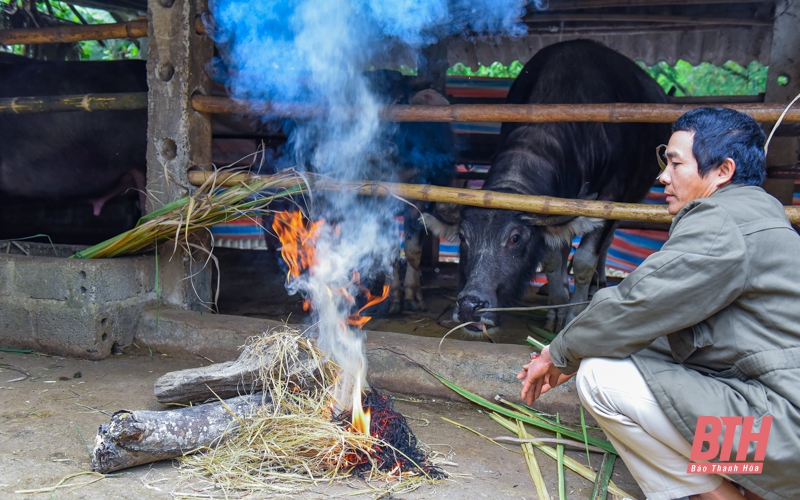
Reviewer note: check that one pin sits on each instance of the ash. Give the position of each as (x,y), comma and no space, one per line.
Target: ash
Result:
(390,426)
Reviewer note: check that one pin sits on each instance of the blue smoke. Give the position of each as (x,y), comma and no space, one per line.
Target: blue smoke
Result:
(296,50)
(315,52)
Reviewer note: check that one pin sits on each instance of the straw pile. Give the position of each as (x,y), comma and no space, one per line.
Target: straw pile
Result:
(294,441)
(207,206)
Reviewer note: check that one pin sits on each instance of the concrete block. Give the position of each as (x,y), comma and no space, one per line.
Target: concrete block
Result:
(83,308)
(6,275)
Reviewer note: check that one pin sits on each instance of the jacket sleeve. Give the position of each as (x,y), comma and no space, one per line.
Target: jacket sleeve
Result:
(700,270)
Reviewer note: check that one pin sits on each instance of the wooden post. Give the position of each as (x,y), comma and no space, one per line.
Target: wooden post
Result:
(178,137)
(784,67)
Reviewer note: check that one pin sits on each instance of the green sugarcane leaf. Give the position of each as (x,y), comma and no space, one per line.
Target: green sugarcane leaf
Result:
(600,488)
(562,487)
(600,443)
(585,438)
(535,343)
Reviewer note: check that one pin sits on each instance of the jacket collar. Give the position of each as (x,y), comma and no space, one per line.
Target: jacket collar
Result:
(689,206)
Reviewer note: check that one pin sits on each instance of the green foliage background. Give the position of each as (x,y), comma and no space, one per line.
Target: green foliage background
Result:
(90,50)
(683,79)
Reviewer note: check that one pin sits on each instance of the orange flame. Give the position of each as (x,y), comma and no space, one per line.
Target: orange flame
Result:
(297,242)
(361,418)
(356,319)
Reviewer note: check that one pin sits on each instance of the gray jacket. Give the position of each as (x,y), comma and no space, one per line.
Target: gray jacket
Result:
(713,323)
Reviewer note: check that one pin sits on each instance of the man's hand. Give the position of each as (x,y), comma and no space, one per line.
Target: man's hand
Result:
(540,375)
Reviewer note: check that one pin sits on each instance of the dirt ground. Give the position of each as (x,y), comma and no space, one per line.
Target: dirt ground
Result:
(49,421)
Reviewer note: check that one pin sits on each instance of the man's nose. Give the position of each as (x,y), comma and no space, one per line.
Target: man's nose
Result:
(663,177)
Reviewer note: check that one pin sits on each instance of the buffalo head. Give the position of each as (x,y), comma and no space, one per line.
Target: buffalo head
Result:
(499,253)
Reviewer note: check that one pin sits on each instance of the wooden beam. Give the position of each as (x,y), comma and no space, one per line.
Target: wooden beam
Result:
(86,102)
(641,18)
(80,33)
(520,113)
(597,4)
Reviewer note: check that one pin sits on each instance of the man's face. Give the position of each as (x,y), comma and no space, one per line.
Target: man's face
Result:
(682,181)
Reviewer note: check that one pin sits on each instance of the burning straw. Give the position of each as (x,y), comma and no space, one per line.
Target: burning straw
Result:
(295,441)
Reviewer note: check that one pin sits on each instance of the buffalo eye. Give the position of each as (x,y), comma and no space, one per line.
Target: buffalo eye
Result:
(514,239)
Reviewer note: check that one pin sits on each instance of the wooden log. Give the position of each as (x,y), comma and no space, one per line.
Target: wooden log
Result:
(224,380)
(547,205)
(195,385)
(85,102)
(520,113)
(134,438)
(80,33)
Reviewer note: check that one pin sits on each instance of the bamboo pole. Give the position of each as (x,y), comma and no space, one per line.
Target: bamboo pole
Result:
(86,102)
(547,205)
(520,113)
(77,33)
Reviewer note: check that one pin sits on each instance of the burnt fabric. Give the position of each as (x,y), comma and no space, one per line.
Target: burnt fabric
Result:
(722,298)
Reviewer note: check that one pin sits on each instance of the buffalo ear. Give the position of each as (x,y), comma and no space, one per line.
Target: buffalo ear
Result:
(445,222)
(428,97)
(546,220)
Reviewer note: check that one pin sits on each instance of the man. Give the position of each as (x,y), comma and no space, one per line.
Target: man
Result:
(708,326)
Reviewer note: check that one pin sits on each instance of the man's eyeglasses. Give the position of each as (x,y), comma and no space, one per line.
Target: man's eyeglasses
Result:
(661,156)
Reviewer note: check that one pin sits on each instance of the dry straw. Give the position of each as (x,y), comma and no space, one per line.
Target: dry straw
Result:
(207,206)
(290,445)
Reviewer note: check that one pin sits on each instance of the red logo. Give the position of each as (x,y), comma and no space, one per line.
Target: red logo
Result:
(708,431)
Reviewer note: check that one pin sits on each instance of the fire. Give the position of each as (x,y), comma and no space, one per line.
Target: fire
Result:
(361,418)
(356,319)
(298,240)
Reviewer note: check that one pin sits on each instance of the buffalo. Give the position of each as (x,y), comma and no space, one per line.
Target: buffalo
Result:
(500,250)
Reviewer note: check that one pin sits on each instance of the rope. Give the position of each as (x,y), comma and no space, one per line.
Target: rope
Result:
(531,308)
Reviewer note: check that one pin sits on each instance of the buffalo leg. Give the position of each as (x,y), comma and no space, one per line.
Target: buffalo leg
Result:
(396,294)
(412,286)
(555,267)
(585,263)
(600,282)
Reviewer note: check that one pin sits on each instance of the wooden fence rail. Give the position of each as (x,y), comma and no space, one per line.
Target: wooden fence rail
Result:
(78,33)
(81,33)
(85,102)
(547,205)
(525,113)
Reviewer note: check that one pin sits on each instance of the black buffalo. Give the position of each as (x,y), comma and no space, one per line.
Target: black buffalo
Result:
(501,249)
(90,156)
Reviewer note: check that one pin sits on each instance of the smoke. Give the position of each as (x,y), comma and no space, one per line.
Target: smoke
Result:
(315,52)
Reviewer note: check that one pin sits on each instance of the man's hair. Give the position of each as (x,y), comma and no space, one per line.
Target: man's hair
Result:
(721,133)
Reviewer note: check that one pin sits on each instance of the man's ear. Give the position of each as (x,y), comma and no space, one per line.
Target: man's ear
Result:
(724,173)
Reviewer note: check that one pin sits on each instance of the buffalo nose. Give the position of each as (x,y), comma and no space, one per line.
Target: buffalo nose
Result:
(468,307)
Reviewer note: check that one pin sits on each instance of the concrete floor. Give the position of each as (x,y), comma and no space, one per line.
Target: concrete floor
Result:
(45,420)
